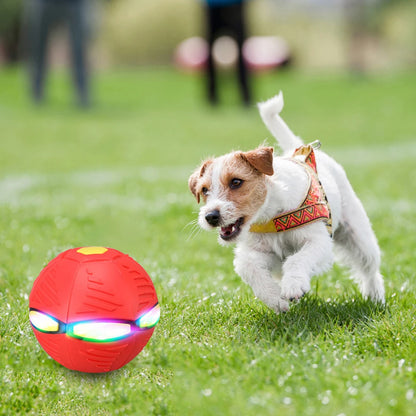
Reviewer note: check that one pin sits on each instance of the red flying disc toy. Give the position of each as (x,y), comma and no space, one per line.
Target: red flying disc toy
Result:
(93,309)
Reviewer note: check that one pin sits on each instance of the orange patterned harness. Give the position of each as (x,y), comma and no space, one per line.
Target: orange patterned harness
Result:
(314,207)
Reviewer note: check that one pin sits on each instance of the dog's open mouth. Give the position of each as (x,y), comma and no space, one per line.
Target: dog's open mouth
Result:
(231,231)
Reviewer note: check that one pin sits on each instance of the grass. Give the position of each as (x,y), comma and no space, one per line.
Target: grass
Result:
(116,176)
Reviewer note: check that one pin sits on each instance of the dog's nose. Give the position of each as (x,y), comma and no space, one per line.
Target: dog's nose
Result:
(213,218)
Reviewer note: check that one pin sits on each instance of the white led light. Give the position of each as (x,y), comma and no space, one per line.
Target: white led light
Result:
(149,319)
(43,322)
(101,331)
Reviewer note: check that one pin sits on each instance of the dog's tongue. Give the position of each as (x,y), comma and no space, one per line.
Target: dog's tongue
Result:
(227,230)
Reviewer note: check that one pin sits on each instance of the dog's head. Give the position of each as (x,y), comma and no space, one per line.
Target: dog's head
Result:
(233,188)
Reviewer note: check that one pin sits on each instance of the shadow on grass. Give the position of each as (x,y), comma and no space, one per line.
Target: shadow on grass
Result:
(314,316)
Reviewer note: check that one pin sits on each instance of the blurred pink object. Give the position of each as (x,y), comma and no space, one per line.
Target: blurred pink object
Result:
(266,52)
(260,53)
(191,54)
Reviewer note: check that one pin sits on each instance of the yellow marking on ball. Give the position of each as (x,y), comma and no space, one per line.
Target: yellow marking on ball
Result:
(92,250)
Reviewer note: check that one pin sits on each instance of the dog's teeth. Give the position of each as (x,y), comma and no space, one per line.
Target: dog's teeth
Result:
(230,230)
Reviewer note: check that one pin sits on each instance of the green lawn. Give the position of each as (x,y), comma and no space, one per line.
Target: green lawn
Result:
(116,176)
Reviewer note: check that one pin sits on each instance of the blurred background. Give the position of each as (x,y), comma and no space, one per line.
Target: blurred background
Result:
(320,33)
(356,35)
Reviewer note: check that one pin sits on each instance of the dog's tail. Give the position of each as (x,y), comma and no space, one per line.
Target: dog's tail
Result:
(270,114)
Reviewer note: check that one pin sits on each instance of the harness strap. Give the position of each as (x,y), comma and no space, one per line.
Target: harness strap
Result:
(315,206)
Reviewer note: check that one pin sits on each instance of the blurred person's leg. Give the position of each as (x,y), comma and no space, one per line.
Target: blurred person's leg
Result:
(40,16)
(213,25)
(78,36)
(237,25)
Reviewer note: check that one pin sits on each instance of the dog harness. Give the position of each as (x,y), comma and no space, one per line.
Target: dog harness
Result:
(315,206)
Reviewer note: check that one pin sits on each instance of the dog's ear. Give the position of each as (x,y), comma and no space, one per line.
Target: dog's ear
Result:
(194,178)
(193,181)
(261,159)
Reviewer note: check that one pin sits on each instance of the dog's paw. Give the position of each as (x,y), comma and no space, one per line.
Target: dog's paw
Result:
(271,296)
(373,288)
(278,306)
(282,305)
(293,288)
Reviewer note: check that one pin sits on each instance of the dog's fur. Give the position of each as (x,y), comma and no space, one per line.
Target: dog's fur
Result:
(242,188)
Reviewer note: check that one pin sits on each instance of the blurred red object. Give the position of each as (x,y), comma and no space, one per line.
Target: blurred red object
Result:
(93,309)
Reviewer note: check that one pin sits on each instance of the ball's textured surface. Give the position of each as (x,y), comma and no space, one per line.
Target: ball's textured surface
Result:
(93,309)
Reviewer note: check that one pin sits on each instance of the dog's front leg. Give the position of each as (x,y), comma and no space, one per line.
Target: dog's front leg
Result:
(255,268)
(313,258)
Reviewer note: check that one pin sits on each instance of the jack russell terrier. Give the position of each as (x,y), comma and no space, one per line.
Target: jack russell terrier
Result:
(289,216)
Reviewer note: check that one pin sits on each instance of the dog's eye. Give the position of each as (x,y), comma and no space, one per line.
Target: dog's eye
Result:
(204,190)
(236,183)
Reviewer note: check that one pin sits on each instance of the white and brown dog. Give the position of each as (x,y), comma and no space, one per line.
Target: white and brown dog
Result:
(287,223)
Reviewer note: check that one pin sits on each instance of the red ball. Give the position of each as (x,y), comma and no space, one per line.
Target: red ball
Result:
(93,309)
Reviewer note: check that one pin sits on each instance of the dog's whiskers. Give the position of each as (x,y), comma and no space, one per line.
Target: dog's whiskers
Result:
(195,229)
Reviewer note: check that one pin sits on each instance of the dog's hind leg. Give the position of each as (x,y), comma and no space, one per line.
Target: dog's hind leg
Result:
(357,247)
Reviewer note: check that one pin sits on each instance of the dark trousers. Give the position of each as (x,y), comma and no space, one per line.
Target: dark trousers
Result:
(227,20)
(43,16)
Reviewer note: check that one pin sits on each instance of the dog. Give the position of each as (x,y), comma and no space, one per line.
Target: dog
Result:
(290,216)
